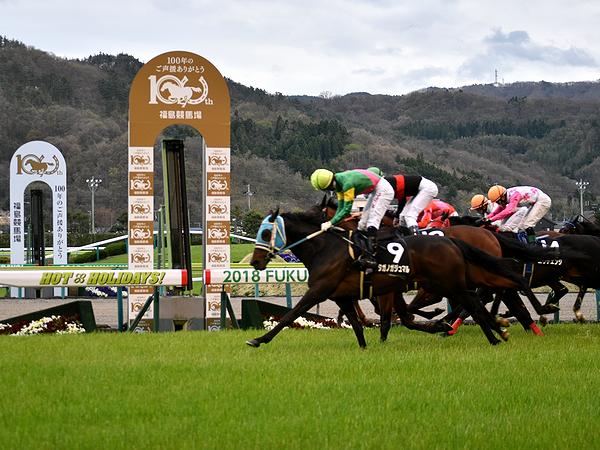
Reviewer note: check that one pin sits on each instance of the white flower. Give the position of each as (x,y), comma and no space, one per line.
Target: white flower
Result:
(302,323)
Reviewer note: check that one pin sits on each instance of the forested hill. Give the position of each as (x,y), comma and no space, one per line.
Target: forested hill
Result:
(464,139)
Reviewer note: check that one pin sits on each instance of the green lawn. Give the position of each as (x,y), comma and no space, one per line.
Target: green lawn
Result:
(306,389)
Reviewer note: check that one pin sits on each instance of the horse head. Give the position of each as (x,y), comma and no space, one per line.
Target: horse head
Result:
(580,225)
(270,239)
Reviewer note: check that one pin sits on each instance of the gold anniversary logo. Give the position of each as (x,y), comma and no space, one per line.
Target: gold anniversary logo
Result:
(140,160)
(171,90)
(217,233)
(141,183)
(217,257)
(35,165)
(140,233)
(217,209)
(140,208)
(140,258)
(218,160)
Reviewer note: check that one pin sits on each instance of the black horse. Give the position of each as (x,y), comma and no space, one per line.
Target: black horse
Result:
(578,264)
(441,265)
(580,225)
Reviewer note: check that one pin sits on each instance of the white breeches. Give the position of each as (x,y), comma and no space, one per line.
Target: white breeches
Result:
(512,222)
(536,212)
(377,203)
(428,190)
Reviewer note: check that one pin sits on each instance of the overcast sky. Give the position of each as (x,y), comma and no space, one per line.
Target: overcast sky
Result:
(309,47)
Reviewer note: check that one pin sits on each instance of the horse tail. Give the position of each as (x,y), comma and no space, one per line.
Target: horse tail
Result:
(513,248)
(502,267)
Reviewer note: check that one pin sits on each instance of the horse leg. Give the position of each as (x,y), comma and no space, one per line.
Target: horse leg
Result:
(423,299)
(386,303)
(375,303)
(558,291)
(454,311)
(482,317)
(579,317)
(360,313)
(516,306)
(311,298)
(458,321)
(541,310)
(407,319)
(349,309)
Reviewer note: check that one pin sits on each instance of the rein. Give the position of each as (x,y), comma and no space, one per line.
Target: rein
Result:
(315,234)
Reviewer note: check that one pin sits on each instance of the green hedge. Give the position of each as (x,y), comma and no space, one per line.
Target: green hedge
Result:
(86,256)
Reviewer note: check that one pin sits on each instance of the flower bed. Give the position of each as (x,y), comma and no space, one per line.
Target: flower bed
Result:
(52,324)
(302,323)
(103,291)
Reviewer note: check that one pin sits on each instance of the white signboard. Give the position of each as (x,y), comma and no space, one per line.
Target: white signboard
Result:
(42,162)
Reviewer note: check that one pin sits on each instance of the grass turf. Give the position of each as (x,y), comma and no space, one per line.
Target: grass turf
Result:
(306,389)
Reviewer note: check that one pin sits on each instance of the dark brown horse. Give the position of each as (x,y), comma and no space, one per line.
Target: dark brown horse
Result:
(441,265)
(480,238)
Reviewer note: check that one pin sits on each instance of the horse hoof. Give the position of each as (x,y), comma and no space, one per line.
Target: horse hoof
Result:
(504,335)
(579,317)
(502,321)
(253,343)
(543,320)
(447,328)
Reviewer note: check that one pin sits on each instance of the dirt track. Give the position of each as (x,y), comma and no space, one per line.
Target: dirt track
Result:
(105,310)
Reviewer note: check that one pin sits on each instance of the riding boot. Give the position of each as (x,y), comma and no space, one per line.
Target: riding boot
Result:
(367,259)
(530,235)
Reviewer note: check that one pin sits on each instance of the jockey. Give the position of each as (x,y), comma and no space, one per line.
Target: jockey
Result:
(435,214)
(535,202)
(413,193)
(481,205)
(347,186)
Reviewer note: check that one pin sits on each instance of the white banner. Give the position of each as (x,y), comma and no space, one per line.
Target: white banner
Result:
(251,276)
(66,278)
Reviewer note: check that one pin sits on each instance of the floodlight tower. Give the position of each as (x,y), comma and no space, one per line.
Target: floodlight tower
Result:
(581,185)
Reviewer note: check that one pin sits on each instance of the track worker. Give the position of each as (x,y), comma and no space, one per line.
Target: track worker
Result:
(435,214)
(413,193)
(535,202)
(347,185)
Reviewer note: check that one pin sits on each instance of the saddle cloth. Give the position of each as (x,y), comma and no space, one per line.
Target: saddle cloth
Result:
(391,254)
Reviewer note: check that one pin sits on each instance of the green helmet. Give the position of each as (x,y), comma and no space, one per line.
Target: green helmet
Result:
(376,170)
(321,179)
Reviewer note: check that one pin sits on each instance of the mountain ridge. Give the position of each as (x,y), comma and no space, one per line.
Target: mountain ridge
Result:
(464,139)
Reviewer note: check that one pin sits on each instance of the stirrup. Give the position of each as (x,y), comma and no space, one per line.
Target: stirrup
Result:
(368,262)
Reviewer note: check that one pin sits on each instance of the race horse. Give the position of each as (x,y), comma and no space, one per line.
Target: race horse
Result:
(578,263)
(480,238)
(441,265)
(580,225)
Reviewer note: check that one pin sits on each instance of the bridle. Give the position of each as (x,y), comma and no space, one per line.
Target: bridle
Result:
(276,241)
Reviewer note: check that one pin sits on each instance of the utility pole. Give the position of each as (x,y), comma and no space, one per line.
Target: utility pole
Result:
(581,185)
(248,194)
(93,184)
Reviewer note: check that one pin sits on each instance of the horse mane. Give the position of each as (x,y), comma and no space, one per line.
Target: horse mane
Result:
(464,220)
(313,216)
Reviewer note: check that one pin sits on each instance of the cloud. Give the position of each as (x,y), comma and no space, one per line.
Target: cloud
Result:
(515,51)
